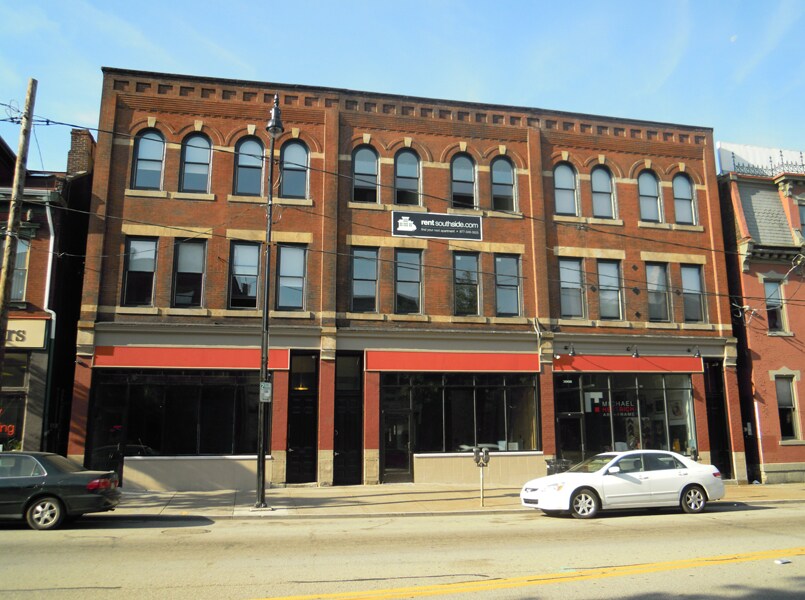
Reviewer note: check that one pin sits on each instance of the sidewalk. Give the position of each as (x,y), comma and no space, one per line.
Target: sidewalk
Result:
(376,500)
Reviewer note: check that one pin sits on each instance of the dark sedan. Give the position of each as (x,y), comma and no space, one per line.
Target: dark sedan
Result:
(45,489)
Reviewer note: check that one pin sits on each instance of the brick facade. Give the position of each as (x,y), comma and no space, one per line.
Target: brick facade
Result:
(329,223)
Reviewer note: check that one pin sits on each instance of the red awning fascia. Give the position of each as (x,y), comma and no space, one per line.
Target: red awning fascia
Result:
(160,357)
(628,364)
(445,362)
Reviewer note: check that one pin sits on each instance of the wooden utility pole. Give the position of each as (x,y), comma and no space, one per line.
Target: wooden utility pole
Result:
(10,241)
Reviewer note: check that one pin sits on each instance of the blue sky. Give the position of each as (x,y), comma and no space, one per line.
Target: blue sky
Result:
(735,66)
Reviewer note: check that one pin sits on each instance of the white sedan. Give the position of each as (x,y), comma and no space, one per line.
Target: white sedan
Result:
(634,479)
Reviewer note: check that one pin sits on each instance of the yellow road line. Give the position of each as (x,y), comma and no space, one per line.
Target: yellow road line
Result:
(488,585)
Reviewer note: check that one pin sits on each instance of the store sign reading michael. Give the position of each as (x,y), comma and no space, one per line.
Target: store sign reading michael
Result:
(436,225)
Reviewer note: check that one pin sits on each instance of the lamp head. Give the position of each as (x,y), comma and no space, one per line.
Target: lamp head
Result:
(274,126)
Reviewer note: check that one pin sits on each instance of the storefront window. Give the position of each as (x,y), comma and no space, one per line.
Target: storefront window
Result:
(153,412)
(12,410)
(625,411)
(454,412)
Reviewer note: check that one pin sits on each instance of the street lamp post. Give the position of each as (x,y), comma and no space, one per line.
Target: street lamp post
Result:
(274,128)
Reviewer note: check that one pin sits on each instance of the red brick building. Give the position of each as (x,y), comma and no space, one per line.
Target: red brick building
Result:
(445,275)
(763,197)
(37,378)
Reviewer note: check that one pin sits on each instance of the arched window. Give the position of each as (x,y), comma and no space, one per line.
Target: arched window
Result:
(364,175)
(149,154)
(649,190)
(406,177)
(502,184)
(196,157)
(603,207)
(462,170)
(248,167)
(564,188)
(293,168)
(683,200)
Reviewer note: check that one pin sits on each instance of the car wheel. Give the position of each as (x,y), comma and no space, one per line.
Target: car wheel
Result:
(693,499)
(584,504)
(45,513)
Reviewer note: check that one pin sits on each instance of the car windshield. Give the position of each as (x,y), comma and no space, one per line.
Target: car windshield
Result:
(64,464)
(592,464)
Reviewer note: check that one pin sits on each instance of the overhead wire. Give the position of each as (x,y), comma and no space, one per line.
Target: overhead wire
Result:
(423,195)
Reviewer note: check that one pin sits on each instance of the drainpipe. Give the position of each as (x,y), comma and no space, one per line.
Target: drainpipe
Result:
(52,328)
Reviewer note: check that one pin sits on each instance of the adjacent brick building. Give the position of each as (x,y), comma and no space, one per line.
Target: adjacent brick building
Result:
(763,197)
(37,381)
(445,275)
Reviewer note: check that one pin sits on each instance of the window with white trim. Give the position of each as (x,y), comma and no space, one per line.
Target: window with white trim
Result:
(190,257)
(601,181)
(609,290)
(786,406)
(774,305)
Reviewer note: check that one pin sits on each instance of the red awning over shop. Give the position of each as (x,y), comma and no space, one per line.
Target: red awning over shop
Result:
(150,357)
(488,362)
(628,364)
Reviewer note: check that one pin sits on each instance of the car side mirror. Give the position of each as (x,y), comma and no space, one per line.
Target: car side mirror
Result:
(613,470)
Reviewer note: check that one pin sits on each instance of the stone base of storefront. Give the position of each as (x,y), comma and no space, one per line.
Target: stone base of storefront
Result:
(509,469)
(783,473)
(192,473)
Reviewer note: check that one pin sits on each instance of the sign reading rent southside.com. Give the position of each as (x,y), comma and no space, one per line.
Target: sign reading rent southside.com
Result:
(436,225)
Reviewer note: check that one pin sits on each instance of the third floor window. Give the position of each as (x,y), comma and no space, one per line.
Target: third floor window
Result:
(294,170)
(406,178)
(564,190)
(149,153)
(196,158)
(462,171)
(248,167)
(502,185)
(649,191)
(683,200)
(364,175)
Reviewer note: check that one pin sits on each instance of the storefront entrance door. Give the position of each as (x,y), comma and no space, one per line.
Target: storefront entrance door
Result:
(303,408)
(570,438)
(397,467)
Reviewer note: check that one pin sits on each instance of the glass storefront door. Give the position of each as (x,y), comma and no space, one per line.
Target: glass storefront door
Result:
(397,447)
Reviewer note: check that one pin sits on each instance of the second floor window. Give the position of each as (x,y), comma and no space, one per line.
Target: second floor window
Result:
(649,190)
(564,190)
(149,153)
(657,285)
(291,278)
(571,288)
(138,274)
(465,283)
(502,185)
(786,407)
(406,178)
(364,175)
(196,157)
(774,305)
(249,167)
(601,181)
(188,279)
(507,285)
(364,279)
(683,200)
(609,289)
(408,282)
(243,280)
(692,293)
(462,172)
(293,170)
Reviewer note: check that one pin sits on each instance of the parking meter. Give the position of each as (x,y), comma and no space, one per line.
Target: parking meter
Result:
(481,458)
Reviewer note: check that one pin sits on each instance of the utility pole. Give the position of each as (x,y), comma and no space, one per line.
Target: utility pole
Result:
(10,242)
